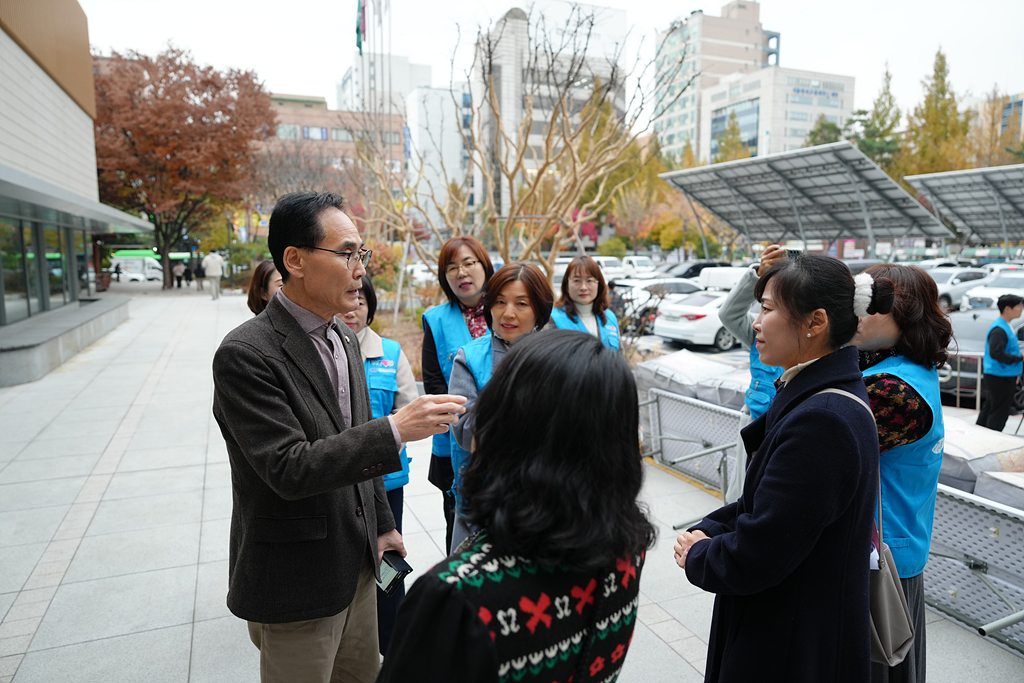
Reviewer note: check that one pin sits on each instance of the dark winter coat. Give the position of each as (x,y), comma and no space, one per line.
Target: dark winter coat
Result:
(789,561)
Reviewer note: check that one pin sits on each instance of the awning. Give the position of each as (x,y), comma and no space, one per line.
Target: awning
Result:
(987,202)
(29,198)
(817,193)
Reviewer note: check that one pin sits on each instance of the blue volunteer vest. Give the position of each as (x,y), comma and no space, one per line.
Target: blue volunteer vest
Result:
(450,334)
(762,384)
(382,380)
(480,360)
(609,331)
(910,473)
(994,367)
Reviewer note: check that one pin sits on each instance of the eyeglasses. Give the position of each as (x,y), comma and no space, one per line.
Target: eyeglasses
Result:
(590,281)
(453,270)
(363,254)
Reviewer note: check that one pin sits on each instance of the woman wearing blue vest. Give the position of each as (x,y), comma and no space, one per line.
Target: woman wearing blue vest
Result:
(392,386)
(899,354)
(518,301)
(463,269)
(736,317)
(1002,365)
(584,303)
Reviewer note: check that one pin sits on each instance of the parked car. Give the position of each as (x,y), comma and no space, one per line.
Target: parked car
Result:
(970,328)
(985,296)
(861,264)
(689,269)
(953,283)
(639,299)
(928,264)
(611,267)
(999,267)
(637,265)
(694,319)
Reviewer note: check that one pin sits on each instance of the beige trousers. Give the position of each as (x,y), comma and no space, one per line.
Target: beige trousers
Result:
(339,649)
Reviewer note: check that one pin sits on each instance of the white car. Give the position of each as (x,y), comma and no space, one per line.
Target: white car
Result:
(953,283)
(611,267)
(1009,282)
(637,265)
(694,319)
(640,298)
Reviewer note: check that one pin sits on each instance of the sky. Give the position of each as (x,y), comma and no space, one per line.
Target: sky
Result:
(305,47)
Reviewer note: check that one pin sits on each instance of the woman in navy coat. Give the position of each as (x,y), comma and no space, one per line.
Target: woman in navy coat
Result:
(789,561)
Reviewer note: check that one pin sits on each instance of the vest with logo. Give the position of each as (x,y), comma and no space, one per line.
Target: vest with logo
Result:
(609,331)
(450,333)
(994,367)
(480,360)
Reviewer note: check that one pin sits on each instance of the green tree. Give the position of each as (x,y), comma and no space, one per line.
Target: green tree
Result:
(730,143)
(989,142)
(823,133)
(875,131)
(936,137)
(615,246)
(1017,153)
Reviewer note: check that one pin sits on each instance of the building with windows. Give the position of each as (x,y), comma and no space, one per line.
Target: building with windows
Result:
(775,107)
(695,53)
(50,213)
(504,60)
(1013,115)
(437,118)
(380,83)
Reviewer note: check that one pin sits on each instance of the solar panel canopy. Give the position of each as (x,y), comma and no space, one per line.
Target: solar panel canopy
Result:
(987,202)
(817,193)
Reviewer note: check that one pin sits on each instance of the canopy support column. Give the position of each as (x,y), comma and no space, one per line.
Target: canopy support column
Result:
(864,212)
(1002,220)
(700,226)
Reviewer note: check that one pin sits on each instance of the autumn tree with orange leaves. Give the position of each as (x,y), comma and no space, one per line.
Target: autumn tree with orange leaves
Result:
(172,136)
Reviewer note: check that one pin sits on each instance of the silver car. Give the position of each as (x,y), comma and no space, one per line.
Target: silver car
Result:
(953,283)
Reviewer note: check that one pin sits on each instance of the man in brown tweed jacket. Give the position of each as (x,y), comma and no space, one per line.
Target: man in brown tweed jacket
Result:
(310,518)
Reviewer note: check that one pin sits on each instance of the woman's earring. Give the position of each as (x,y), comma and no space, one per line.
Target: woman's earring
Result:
(808,335)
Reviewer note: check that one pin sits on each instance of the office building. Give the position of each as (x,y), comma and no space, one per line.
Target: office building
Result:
(1013,115)
(695,53)
(50,213)
(503,57)
(436,119)
(775,108)
(379,83)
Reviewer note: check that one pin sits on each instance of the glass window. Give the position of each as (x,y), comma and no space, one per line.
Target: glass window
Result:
(940,277)
(341,135)
(32,270)
(83,258)
(53,245)
(285,130)
(12,265)
(698,299)
(389,138)
(314,133)
(827,102)
(799,116)
(467,100)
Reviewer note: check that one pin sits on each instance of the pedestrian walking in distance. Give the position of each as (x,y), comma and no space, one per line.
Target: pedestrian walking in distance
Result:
(179,272)
(213,266)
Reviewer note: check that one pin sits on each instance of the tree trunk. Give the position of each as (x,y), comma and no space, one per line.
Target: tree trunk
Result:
(165,263)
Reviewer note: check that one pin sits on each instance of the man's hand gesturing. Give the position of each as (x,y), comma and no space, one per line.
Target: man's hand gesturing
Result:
(428,415)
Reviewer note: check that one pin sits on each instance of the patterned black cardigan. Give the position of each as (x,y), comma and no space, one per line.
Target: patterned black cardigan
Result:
(484,615)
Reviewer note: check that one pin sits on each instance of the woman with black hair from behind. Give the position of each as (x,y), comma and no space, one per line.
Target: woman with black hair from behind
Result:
(789,560)
(548,589)
(899,355)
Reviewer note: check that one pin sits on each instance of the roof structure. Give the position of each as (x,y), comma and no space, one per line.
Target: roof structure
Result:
(987,202)
(824,192)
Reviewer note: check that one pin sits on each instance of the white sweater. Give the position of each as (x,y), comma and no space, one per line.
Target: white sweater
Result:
(587,317)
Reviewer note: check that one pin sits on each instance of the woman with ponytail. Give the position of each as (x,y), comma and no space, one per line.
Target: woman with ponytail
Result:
(900,352)
(789,561)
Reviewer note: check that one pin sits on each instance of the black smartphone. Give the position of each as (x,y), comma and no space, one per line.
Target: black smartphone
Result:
(794,253)
(393,570)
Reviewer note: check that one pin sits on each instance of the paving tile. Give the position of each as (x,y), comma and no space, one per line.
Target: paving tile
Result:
(6,601)
(18,527)
(154,482)
(218,475)
(955,653)
(37,494)
(14,646)
(130,552)
(212,591)
(90,414)
(19,627)
(652,614)
(215,540)
(55,448)
(116,606)
(48,468)
(158,656)
(423,553)
(693,612)
(217,504)
(222,651)
(160,458)
(670,630)
(131,514)
(61,429)
(427,509)
(29,611)
(692,649)
(29,597)
(661,578)
(10,449)
(650,660)
(9,664)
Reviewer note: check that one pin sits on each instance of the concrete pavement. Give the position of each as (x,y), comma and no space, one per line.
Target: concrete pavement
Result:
(114,507)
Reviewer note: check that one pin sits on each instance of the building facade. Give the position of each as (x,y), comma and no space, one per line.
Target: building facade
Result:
(775,107)
(380,83)
(695,53)
(49,196)
(436,119)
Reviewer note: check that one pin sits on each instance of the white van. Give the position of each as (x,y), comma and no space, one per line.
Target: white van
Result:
(637,265)
(611,267)
(138,268)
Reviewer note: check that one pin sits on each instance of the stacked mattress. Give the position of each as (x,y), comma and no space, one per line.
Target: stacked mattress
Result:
(971,450)
(1002,487)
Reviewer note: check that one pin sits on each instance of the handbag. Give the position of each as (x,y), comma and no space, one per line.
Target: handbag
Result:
(892,628)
